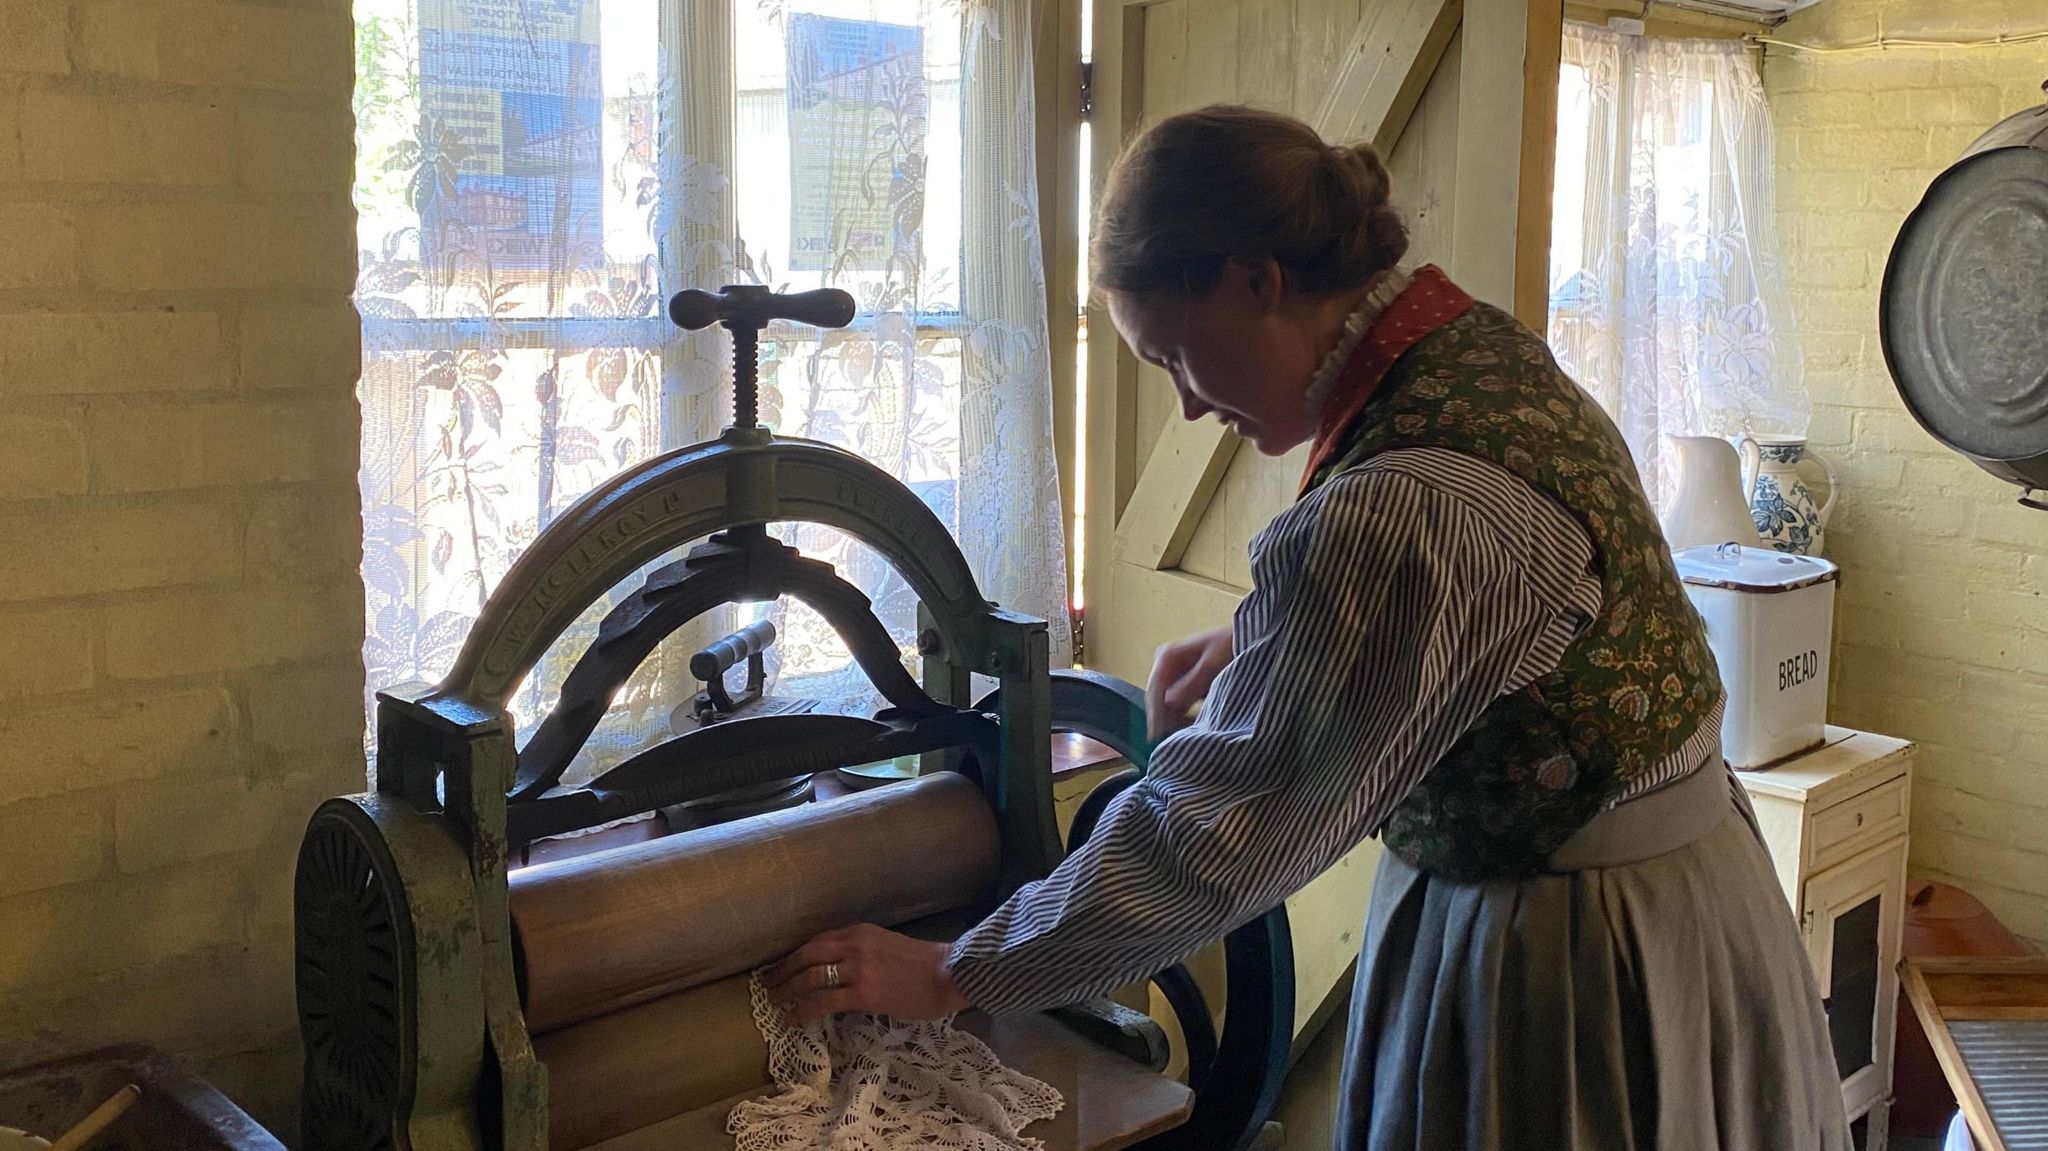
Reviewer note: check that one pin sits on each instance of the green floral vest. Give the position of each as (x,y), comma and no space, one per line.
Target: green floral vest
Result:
(1539,764)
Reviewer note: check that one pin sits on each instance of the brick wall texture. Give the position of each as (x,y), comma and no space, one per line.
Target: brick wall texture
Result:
(180,610)
(1942,623)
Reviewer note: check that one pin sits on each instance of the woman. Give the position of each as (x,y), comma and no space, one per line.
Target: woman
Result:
(1467,638)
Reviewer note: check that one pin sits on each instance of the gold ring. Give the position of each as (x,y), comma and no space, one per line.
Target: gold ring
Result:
(832,975)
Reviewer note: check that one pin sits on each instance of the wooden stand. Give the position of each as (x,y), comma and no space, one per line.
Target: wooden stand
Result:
(1835,822)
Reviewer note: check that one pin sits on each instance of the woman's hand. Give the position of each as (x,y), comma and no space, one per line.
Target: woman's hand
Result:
(878,971)
(1181,675)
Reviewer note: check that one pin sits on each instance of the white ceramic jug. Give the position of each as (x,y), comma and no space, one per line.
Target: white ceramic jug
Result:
(1786,514)
(1711,505)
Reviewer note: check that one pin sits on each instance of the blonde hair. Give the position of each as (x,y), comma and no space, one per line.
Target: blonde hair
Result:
(1201,188)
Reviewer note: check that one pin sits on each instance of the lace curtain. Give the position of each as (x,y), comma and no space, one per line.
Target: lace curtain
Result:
(536,177)
(1667,298)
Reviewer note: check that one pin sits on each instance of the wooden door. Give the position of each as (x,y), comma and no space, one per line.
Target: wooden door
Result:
(1461,96)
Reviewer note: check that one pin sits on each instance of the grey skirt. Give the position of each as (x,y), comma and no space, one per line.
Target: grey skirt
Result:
(1662,1003)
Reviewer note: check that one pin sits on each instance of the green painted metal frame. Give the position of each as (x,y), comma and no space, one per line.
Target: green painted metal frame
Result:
(447,760)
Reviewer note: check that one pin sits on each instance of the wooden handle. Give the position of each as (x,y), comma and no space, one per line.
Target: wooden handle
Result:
(695,309)
(824,308)
(753,306)
(102,1117)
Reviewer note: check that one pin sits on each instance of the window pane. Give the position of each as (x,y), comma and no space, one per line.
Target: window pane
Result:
(505,154)
(851,176)
(1568,197)
(506,171)
(467,455)
(1677,163)
(891,395)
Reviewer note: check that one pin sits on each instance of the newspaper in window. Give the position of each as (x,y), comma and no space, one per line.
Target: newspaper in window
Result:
(857,114)
(511,102)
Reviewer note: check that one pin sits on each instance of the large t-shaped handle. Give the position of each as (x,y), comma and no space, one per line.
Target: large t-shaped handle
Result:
(744,309)
(753,306)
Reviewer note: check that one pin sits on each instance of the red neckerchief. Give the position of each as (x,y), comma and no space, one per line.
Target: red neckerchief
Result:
(1430,302)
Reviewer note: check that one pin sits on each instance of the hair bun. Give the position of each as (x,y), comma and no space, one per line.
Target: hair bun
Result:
(1374,237)
(1228,182)
(1363,177)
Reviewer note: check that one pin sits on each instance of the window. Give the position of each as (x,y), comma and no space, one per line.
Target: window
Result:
(1666,301)
(534,181)
(1674,169)
(1568,202)
(848,148)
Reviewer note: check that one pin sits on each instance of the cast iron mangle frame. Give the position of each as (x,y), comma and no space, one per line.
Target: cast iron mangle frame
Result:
(423,860)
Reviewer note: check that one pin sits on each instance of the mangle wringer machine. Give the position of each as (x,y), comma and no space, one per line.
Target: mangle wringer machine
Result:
(602,1001)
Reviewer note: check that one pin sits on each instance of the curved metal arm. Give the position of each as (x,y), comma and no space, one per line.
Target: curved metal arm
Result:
(735,754)
(1182,993)
(1096,802)
(716,574)
(1105,709)
(1197,1028)
(686,495)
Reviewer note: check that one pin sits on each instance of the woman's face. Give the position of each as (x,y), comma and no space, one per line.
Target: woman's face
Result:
(1242,351)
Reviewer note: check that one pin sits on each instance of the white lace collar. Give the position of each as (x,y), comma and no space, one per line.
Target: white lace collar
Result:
(1390,284)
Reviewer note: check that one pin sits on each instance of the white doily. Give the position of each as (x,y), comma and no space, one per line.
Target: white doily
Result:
(867,1083)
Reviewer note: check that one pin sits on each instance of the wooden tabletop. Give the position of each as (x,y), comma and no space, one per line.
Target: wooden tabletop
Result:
(1847,761)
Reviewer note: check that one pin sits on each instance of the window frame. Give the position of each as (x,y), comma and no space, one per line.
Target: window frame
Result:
(567,335)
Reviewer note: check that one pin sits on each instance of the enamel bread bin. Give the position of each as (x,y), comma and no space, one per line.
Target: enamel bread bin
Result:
(1770,619)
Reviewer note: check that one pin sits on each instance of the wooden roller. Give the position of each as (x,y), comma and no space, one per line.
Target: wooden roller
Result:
(602,932)
(644,1064)
(636,1067)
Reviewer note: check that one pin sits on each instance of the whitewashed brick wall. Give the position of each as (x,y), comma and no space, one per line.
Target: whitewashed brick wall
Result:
(180,612)
(1942,627)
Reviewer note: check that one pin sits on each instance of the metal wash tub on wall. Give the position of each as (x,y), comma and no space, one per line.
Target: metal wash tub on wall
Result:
(1964,312)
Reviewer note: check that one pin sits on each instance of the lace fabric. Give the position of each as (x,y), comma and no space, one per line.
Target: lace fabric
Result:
(860,1082)
(1390,284)
(1668,299)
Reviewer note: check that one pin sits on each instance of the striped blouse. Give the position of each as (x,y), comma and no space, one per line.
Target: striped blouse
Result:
(1389,607)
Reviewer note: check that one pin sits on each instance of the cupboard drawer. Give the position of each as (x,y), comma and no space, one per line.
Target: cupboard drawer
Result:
(1858,822)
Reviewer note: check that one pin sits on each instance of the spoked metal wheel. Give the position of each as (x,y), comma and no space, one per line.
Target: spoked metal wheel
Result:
(390,1003)
(350,921)
(1235,1072)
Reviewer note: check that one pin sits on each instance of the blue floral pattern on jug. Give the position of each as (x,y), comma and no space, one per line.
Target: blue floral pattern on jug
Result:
(1787,516)
(1778,521)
